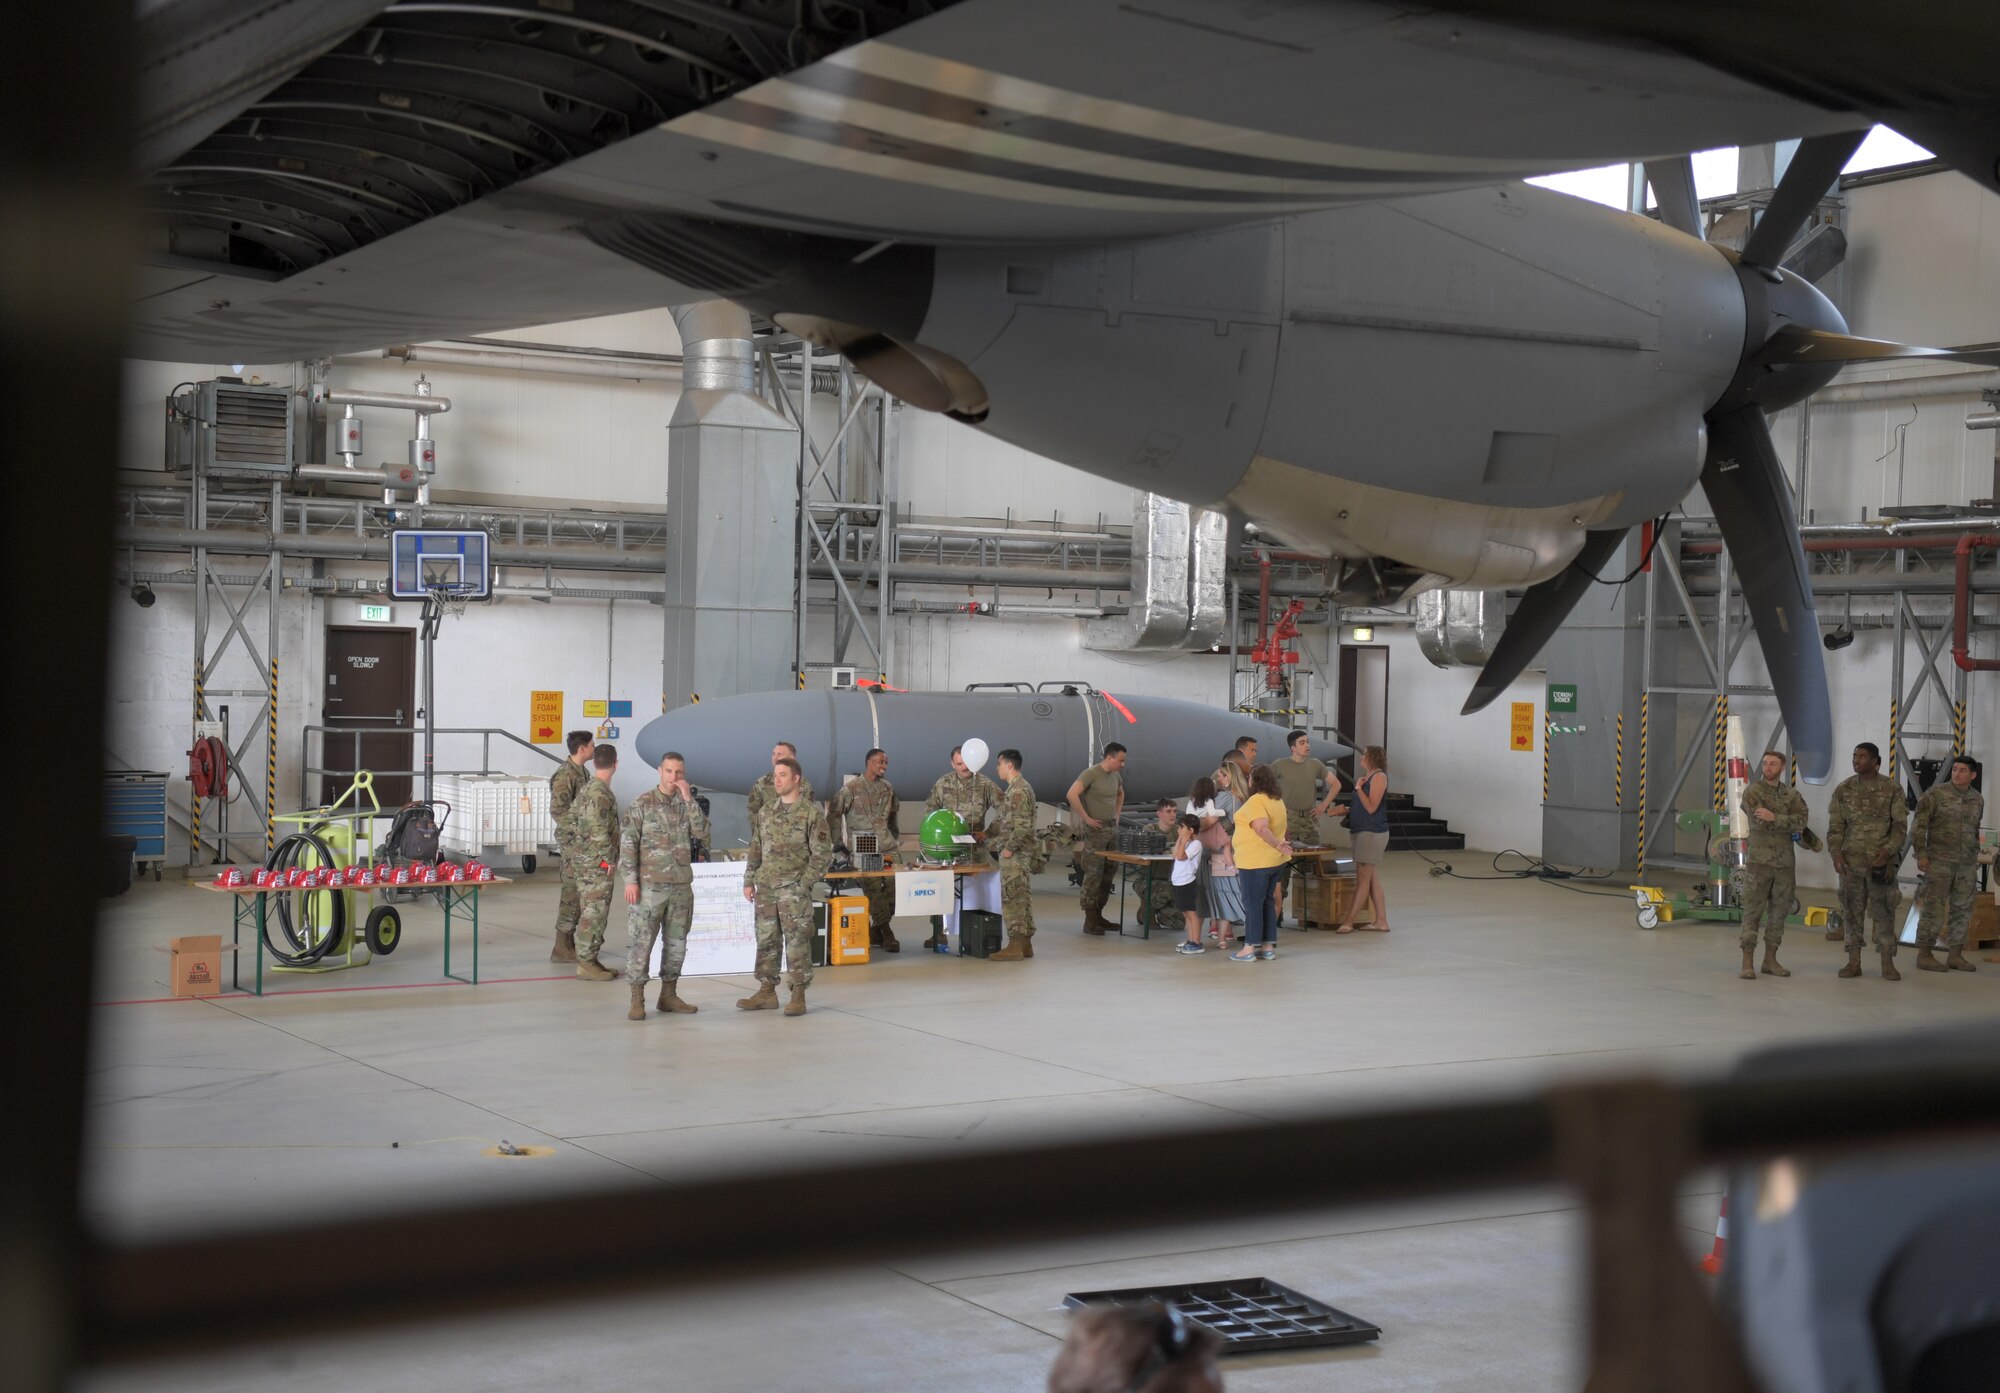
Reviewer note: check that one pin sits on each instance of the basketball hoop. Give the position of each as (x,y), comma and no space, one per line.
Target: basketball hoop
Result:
(450,599)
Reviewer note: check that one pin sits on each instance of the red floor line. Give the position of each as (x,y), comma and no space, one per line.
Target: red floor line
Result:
(315,991)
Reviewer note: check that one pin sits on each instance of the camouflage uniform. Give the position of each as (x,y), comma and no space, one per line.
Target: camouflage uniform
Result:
(1092,843)
(869,805)
(564,784)
(656,853)
(764,793)
(1770,881)
(1160,911)
(592,825)
(972,798)
(789,850)
(1015,832)
(1865,827)
(1947,831)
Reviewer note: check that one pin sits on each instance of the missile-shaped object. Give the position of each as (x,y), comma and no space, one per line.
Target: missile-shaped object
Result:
(727,741)
(1736,776)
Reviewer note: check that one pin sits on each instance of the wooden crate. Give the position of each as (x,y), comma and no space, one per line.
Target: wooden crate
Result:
(1985,926)
(1320,901)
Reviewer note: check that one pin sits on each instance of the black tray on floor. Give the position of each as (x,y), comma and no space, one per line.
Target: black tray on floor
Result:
(1250,1314)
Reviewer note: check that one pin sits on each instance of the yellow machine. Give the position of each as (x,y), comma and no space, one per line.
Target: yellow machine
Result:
(846,930)
(315,928)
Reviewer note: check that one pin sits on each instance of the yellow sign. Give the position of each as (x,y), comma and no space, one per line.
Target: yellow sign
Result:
(1522,730)
(599,709)
(545,718)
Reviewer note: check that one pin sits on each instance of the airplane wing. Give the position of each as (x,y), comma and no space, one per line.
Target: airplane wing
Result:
(429,176)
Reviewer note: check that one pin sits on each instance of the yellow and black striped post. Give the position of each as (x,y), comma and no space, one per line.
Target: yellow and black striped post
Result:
(1895,743)
(1640,860)
(1618,761)
(1795,770)
(1548,721)
(271,767)
(1957,729)
(802,680)
(1721,747)
(194,800)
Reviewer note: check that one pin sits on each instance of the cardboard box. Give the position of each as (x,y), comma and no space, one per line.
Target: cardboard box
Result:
(1320,901)
(194,965)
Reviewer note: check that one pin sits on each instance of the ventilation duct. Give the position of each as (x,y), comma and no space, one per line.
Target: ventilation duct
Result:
(1177,591)
(1460,628)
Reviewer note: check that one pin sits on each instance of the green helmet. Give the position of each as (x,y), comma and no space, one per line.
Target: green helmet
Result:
(938,836)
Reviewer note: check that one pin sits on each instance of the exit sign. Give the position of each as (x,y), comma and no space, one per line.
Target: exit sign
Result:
(1562,698)
(378,614)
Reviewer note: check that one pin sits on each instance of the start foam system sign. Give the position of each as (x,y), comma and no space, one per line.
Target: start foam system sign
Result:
(545,718)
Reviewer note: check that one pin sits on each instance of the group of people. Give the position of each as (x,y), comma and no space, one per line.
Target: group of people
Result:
(1869,831)
(1233,841)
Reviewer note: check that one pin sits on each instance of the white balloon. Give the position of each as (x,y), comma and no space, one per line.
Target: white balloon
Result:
(973,752)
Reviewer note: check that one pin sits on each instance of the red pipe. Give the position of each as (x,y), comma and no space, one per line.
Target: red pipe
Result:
(1961,607)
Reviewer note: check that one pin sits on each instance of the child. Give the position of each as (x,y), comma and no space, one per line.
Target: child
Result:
(1187,865)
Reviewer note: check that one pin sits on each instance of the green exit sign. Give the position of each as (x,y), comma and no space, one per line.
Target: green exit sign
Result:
(377,614)
(1562,697)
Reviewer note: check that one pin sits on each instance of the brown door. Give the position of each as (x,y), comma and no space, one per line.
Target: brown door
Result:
(371,677)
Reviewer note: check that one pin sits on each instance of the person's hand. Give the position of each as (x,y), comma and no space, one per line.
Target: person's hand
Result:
(1089,821)
(979,834)
(1840,864)
(749,892)
(1881,858)
(681,787)
(632,894)
(1765,815)
(1005,854)
(1924,865)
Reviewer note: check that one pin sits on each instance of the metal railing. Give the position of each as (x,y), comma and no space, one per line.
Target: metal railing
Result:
(309,770)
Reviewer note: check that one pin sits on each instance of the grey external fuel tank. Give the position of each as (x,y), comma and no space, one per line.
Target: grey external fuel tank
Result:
(727,742)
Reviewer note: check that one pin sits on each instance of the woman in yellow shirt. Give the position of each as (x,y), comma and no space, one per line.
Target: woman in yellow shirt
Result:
(1261,856)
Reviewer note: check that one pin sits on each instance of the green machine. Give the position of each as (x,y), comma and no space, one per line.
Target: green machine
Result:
(938,841)
(1720,897)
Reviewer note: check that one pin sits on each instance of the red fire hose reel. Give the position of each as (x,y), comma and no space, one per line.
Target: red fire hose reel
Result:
(208,768)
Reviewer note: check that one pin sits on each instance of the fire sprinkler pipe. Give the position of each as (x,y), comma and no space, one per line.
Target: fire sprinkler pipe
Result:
(1961,605)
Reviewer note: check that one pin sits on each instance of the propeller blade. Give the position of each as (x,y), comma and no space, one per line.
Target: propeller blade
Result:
(1811,173)
(1794,344)
(1540,613)
(1673,190)
(1746,488)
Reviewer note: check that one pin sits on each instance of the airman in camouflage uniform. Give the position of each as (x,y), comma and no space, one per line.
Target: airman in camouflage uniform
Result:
(592,826)
(1865,832)
(1020,854)
(763,793)
(868,804)
(973,797)
(1946,840)
(1770,880)
(564,784)
(656,858)
(789,850)
(1096,799)
(1160,911)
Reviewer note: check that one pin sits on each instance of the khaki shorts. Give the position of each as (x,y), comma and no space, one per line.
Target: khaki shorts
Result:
(1369,846)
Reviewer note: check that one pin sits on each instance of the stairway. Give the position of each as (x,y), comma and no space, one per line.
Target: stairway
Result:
(1413,828)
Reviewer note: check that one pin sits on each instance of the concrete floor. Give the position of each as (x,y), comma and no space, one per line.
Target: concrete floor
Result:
(236,1111)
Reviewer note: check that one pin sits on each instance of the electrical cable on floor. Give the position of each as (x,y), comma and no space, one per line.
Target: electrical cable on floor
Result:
(1536,869)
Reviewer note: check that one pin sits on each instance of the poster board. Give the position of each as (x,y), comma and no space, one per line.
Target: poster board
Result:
(722,940)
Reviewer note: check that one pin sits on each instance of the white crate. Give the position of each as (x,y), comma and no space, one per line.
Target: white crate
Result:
(497,814)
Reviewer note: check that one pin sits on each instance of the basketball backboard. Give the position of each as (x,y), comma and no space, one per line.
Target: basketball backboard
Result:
(421,561)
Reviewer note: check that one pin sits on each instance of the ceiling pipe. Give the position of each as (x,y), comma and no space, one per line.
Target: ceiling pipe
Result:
(500,361)
(394,401)
(1949,384)
(329,546)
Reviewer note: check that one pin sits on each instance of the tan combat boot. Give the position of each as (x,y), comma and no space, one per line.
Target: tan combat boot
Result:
(565,949)
(1889,973)
(1027,947)
(1016,951)
(670,1000)
(1772,965)
(591,970)
(766,999)
(1958,962)
(1749,972)
(1929,963)
(889,944)
(637,1010)
(1095,924)
(1834,932)
(797,1005)
(1853,968)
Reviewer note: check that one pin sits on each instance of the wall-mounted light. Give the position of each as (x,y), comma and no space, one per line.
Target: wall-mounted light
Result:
(1364,633)
(142,595)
